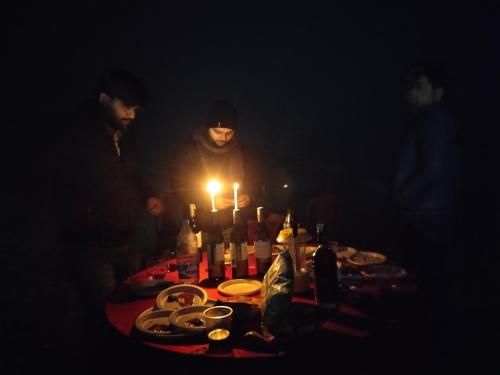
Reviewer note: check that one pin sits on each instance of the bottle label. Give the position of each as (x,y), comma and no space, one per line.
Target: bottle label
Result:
(219,253)
(198,239)
(188,270)
(215,254)
(244,251)
(263,249)
(238,252)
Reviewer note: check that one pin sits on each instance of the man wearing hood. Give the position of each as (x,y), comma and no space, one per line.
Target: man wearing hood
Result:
(214,152)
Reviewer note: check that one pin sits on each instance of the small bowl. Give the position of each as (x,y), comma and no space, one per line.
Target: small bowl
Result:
(179,296)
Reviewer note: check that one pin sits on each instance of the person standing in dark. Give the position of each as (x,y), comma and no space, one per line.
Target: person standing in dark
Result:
(428,184)
(101,192)
(215,152)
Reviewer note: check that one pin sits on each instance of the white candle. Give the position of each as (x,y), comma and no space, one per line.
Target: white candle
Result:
(213,188)
(235,188)
(212,197)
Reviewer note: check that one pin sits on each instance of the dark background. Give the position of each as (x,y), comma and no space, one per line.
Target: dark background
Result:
(317,89)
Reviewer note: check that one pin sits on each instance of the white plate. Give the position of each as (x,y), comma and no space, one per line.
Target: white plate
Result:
(189,319)
(148,320)
(150,288)
(179,296)
(366,258)
(239,287)
(344,252)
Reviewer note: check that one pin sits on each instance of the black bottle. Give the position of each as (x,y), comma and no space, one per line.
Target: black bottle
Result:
(238,243)
(215,250)
(190,214)
(326,282)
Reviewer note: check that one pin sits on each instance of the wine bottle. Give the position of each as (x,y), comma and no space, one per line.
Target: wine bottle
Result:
(238,244)
(215,250)
(262,242)
(326,282)
(193,223)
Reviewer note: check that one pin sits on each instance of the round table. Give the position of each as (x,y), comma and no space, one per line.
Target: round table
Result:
(353,323)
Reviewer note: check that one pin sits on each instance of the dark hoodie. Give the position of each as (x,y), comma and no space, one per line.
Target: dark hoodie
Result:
(200,160)
(100,194)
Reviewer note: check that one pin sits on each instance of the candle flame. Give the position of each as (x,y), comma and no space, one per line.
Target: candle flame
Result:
(236,186)
(213,186)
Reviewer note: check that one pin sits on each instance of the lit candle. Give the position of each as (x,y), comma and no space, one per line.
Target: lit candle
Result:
(213,188)
(235,188)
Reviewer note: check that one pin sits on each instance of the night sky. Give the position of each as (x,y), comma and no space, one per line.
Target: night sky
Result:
(317,89)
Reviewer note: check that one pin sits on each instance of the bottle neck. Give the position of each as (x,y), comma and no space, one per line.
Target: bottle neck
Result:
(214,218)
(320,233)
(260,215)
(236,216)
(192,210)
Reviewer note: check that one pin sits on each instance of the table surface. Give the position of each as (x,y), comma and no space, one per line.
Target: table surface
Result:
(354,323)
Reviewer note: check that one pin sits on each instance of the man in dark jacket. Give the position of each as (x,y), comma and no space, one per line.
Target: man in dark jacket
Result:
(427,189)
(428,177)
(101,191)
(214,152)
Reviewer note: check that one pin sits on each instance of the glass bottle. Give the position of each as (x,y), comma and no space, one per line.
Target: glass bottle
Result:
(193,223)
(326,282)
(215,250)
(262,242)
(238,244)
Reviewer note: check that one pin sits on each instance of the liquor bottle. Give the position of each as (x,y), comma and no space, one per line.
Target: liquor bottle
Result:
(238,244)
(187,255)
(263,252)
(215,250)
(326,282)
(191,215)
(291,222)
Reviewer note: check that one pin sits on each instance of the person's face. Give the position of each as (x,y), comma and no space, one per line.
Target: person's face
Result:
(119,114)
(221,136)
(421,93)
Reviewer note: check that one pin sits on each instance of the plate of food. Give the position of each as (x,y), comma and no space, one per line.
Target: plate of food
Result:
(366,258)
(179,296)
(384,272)
(240,287)
(189,319)
(154,322)
(345,252)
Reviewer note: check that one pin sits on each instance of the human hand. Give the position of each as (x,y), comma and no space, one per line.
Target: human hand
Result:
(155,206)
(222,202)
(243,200)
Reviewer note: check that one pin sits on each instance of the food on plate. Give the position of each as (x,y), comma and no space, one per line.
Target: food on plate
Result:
(194,322)
(159,328)
(184,299)
(364,258)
